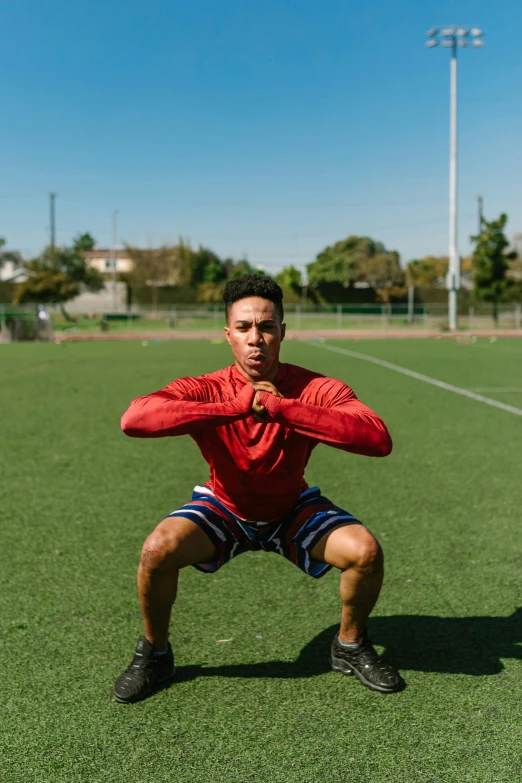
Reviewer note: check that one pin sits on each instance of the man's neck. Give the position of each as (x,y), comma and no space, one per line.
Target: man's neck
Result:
(270,377)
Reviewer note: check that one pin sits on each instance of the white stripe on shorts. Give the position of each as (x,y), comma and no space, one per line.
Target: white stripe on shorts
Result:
(327,522)
(204,490)
(181,512)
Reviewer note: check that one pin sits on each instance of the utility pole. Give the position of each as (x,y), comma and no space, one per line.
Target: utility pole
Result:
(480,213)
(52,197)
(113,259)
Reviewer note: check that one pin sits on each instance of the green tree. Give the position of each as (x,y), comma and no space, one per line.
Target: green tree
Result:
(210,292)
(156,267)
(206,267)
(383,272)
(491,263)
(289,277)
(431,271)
(427,271)
(57,275)
(342,262)
(515,264)
(235,269)
(83,242)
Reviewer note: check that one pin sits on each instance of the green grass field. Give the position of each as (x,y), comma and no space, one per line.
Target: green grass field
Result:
(304,321)
(209,321)
(77,499)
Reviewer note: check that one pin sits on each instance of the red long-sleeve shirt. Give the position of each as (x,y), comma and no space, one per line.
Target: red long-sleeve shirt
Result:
(257,469)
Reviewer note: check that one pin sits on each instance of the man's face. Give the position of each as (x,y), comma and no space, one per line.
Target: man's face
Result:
(255,333)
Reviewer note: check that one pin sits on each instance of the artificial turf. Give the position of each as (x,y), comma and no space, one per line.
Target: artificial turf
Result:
(77,499)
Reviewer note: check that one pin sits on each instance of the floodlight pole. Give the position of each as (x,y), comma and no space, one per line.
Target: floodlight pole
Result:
(454,259)
(452,37)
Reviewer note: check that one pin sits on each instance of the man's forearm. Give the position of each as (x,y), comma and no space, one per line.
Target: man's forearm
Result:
(158,415)
(353,427)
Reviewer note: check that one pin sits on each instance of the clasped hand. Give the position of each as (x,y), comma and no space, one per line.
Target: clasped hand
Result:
(259,410)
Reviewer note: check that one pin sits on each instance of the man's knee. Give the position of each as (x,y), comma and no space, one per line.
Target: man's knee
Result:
(366,554)
(159,547)
(354,547)
(175,543)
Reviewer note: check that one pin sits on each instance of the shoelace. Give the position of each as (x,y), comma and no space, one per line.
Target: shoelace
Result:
(141,662)
(366,656)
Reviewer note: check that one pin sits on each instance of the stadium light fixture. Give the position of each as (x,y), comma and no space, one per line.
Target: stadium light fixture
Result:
(453,38)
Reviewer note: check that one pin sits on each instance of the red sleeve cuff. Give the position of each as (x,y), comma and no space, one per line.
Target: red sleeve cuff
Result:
(270,402)
(246,395)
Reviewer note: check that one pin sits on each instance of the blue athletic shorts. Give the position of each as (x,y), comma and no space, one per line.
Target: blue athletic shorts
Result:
(294,536)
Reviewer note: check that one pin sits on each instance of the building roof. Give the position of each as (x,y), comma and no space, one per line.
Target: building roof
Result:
(100,252)
(12,273)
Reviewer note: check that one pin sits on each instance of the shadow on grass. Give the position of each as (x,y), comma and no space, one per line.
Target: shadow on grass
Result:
(451,645)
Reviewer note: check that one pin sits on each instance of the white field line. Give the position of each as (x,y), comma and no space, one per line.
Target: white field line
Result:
(499,389)
(419,377)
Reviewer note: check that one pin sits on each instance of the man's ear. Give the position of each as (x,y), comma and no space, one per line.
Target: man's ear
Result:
(283,331)
(227,334)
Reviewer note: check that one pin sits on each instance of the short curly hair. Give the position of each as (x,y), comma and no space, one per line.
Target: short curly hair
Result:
(253,285)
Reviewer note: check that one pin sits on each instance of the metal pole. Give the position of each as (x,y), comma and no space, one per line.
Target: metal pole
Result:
(113,259)
(52,197)
(411,298)
(453,37)
(480,213)
(298,316)
(454,260)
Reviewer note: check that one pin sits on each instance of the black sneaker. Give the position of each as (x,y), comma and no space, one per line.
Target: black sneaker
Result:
(146,674)
(367,665)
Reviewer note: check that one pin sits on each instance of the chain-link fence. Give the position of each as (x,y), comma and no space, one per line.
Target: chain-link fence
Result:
(25,322)
(19,323)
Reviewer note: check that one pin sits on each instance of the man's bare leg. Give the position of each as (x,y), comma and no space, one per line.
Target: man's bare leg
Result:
(358,555)
(176,542)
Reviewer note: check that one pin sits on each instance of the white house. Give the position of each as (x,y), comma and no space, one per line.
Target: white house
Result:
(102,260)
(11,272)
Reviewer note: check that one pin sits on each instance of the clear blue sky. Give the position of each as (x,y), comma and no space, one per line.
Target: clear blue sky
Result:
(269,129)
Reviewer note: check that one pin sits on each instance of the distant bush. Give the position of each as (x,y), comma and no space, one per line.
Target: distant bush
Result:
(6,292)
